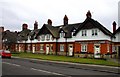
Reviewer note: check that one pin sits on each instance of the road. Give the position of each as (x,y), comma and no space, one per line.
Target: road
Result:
(17,66)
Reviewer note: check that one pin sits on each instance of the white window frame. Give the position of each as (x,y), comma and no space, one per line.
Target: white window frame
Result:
(28,47)
(51,47)
(73,32)
(42,37)
(84,48)
(41,47)
(62,34)
(94,32)
(61,47)
(84,33)
(48,37)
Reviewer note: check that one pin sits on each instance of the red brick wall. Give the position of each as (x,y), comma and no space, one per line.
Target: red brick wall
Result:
(103,48)
(77,47)
(90,47)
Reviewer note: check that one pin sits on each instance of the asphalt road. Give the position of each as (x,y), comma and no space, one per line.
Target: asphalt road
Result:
(17,66)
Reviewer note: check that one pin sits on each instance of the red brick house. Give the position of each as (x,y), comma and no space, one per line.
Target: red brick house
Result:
(116,40)
(1,34)
(82,39)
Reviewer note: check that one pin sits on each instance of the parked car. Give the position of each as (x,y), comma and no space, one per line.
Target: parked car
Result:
(5,53)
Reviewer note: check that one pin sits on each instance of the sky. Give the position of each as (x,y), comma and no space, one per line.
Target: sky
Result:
(14,13)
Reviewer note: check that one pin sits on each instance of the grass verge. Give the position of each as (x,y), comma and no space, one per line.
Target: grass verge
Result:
(67,59)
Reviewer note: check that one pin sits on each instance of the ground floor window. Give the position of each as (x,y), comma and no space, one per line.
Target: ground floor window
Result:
(29,47)
(114,48)
(61,47)
(51,47)
(41,47)
(84,48)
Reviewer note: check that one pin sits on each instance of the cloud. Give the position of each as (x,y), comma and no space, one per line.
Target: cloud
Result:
(17,12)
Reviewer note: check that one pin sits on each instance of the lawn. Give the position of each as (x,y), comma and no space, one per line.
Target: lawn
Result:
(67,59)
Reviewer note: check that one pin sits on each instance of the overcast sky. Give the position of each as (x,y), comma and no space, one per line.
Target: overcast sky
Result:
(13,13)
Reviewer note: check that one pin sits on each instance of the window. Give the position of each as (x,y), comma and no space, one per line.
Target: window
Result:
(73,32)
(62,47)
(84,32)
(42,37)
(38,38)
(62,34)
(94,32)
(29,47)
(51,47)
(41,47)
(83,48)
(48,37)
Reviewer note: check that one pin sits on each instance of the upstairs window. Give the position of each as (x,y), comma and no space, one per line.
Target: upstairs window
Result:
(42,37)
(84,32)
(73,32)
(94,32)
(62,34)
(48,37)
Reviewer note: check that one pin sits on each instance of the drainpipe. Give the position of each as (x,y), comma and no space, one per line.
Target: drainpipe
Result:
(56,46)
(31,46)
(25,45)
(66,46)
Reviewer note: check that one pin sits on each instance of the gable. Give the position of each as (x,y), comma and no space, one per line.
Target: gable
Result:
(90,24)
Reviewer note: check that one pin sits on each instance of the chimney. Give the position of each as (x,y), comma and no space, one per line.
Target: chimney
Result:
(88,15)
(114,26)
(49,22)
(35,25)
(65,19)
(24,26)
(1,29)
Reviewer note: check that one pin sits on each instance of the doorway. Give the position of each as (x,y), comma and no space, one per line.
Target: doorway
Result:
(47,50)
(97,51)
(70,50)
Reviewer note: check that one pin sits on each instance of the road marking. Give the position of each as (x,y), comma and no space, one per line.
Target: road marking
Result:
(11,64)
(47,72)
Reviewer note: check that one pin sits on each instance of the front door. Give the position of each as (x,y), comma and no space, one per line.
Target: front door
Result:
(19,48)
(97,51)
(70,50)
(33,51)
(47,50)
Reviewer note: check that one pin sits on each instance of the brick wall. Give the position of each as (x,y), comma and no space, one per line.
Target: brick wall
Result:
(1,30)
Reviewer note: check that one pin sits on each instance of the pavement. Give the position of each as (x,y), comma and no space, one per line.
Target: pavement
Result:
(101,68)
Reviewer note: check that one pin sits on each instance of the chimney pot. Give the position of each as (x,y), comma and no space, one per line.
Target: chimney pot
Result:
(35,25)
(114,26)
(49,22)
(88,15)
(24,26)
(65,19)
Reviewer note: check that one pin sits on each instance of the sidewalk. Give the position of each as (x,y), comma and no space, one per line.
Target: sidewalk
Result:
(92,67)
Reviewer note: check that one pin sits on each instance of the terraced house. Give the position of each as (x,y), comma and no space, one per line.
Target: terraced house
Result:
(85,39)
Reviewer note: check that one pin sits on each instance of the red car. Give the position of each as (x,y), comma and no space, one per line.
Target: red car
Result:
(5,53)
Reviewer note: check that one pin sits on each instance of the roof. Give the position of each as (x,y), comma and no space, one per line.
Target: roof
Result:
(33,34)
(118,30)
(69,28)
(90,23)
(10,36)
(23,35)
(48,29)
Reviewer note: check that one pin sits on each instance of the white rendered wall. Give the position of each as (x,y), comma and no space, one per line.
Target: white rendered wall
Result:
(100,36)
(117,39)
